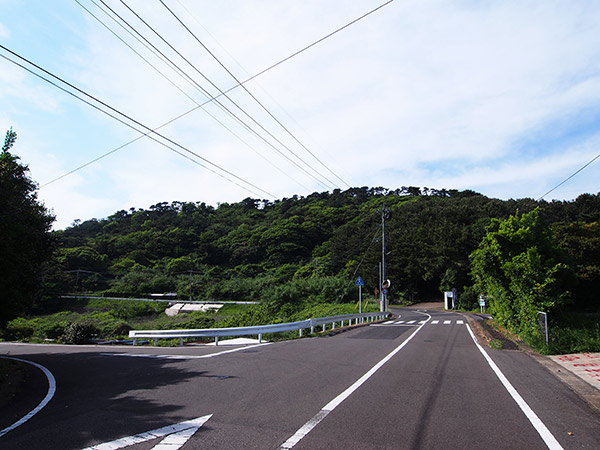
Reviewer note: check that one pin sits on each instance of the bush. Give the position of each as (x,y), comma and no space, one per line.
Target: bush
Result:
(79,333)
(122,329)
(468,299)
(296,294)
(18,329)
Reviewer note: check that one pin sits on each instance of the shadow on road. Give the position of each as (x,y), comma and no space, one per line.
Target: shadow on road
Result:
(98,399)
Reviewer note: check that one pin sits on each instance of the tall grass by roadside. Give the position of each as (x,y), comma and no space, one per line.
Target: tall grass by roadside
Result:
(82,319)
(573,332)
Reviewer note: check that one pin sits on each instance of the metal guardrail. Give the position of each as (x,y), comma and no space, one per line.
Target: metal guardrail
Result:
(258,330)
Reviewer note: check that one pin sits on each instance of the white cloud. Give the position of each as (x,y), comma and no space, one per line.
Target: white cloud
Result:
(496,97)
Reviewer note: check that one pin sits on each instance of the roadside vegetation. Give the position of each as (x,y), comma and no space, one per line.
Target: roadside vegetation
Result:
(78,321)
(299,256)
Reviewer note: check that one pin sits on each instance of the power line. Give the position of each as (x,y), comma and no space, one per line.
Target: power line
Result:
(204,91)
(570,176)
(200,105)
(252,95)
(256,75)
(232,101)
(149,130)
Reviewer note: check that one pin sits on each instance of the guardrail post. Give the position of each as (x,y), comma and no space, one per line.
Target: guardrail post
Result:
(260,338)
(155,342)
(181,342)
(300,332)
(216,340)
(333,326)
(323,328)
(134,341)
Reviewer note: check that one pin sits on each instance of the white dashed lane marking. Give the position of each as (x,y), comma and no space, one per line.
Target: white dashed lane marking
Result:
(421,322)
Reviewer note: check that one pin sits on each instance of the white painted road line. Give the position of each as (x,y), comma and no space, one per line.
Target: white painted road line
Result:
(175,436)
(411,323)
(539,426)
(317,418)
(210,355)
(44,402)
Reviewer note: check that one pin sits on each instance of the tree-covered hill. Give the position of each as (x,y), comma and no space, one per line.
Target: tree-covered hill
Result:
(256,249)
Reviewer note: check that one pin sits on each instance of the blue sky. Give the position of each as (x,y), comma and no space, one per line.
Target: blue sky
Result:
(498,97)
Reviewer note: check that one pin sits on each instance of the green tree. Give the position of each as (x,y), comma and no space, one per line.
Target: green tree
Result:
(521,270)
(25,230)
(581,243)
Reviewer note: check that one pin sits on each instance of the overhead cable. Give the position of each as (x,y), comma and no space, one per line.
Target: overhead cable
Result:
(200,105)
(149,131)
(570,176)
(252,95)
(319,181)
(267,69)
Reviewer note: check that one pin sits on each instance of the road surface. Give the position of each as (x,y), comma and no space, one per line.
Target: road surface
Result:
(417,382)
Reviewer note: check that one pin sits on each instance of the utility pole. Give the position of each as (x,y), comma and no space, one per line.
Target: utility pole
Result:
(385,214)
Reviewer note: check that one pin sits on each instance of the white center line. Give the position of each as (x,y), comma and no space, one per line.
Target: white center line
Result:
(447,322)
(435,322)
(314,421)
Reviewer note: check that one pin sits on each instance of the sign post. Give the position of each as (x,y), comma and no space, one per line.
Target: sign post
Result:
(385,286)
(482,303)
(360,283)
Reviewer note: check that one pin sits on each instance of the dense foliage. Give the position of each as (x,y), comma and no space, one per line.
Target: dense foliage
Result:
(522,271)
(294,254)
(312,248)
(26,242)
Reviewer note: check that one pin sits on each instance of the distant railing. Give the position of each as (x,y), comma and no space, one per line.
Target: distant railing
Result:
(258,330)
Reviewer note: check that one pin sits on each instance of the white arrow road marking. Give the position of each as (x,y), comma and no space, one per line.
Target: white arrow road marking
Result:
(174,436)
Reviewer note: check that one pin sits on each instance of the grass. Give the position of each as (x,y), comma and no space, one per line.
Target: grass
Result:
(110,319)
(572,332)
(76,320)
(496,344)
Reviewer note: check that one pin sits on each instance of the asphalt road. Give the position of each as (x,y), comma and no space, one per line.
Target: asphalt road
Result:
(434,390)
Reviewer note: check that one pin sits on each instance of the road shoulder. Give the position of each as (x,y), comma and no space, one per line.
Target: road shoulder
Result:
(564,372)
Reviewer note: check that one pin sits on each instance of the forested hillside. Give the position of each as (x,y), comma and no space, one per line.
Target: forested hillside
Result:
(299,248)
